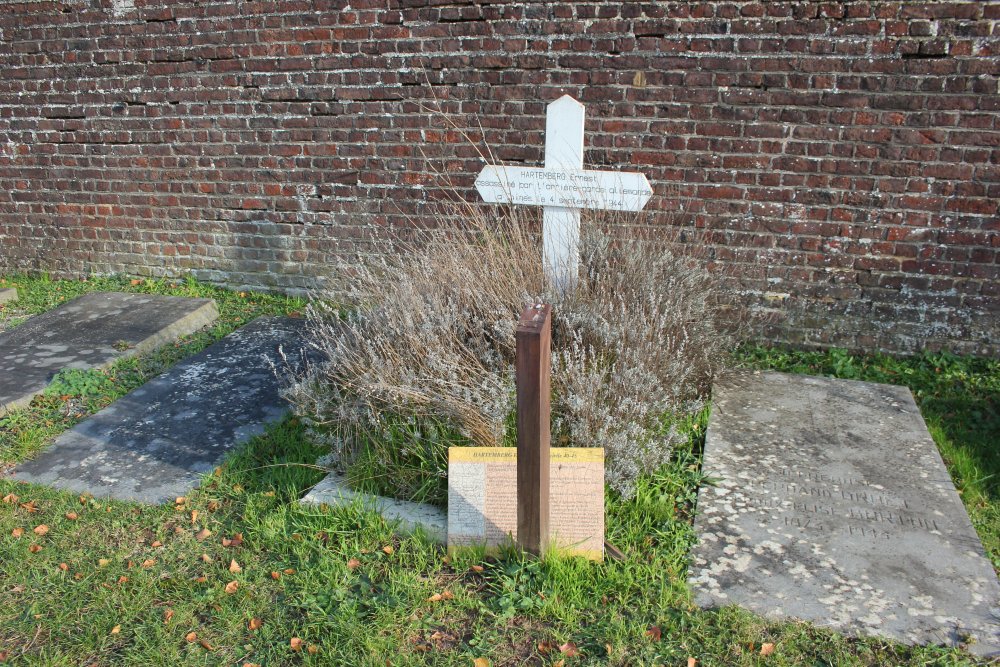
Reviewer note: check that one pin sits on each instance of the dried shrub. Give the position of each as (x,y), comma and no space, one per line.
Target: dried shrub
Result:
(422,355)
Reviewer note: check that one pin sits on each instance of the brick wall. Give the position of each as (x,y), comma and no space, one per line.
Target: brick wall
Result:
(841,158)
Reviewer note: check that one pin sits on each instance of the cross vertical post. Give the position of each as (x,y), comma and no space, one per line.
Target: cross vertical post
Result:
(533,339)
(564,121)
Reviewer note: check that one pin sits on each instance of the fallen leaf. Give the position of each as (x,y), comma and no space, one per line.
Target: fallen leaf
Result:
(17,533)
(205,645)
(29,507)
(236,541)
(122,579)
(202,534)
(289,570)
(10,498)
(149,562)
(156,544)
(654,633)
(201,580)
(692,662)
(296,644)
(213,505)
(255,624)
(447,595)
(477,568)
(569,650)
(312,649)
(545,647)
(388,549)
(194,516)
(232,587)
(480,662)
(35,548)
(103,562)
(135,281)
(78,576)
(767,648)
(353,564)
(250,664)
(276,575)
(234,567)
(559,663)
(63,566)
(191,636)
(205,558)
(72,516)
(167,615)
(41,530)
(115,630)
(180,500)
(607,647)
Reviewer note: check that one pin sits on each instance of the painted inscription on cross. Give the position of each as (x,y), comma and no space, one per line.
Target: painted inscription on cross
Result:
(563,188)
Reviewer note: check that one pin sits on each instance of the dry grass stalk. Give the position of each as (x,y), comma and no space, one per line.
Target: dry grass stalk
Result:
(428,337)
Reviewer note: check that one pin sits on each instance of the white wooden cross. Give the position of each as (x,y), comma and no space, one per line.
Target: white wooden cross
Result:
(563,187)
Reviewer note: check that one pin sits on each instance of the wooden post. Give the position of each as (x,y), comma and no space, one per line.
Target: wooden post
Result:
(533,336)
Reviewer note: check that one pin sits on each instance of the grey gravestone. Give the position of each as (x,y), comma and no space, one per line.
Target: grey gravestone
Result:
(154,444)
(7,294)
(334,491)
(832,505)
(92,331)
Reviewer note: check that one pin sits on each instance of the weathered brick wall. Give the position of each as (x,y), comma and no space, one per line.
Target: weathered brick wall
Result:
(842,158)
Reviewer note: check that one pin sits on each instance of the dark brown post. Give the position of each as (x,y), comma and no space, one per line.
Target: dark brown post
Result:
(534,336)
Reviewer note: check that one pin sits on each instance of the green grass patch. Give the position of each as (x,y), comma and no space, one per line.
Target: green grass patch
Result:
(123,584)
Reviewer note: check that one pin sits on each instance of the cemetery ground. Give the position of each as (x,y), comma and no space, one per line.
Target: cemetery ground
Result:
(238,573)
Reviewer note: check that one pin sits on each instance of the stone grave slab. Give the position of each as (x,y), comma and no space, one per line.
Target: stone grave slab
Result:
(8,294)
(91,331)
(155,443)
(482,498)
(832,505)
(334,491)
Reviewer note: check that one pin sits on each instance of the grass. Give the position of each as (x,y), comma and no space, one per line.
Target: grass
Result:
(137,581)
